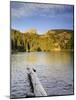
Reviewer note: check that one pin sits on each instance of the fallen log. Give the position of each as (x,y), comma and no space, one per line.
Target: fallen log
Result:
(36,85)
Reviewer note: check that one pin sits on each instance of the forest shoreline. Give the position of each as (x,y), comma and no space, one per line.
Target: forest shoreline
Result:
(52,40)
(15,52)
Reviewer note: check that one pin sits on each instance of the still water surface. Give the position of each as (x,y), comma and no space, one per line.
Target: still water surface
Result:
(54,69)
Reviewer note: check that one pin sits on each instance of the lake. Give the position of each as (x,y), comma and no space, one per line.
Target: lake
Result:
(54,70)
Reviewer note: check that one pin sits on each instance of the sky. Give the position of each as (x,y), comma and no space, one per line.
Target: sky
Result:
(42,17)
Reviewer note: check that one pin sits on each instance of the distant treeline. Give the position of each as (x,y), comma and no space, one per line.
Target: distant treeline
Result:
(52,40)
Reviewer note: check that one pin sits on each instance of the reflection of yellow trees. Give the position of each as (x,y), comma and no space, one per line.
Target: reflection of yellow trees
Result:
(31,58)
(58,57)
(54,57)
(51,40)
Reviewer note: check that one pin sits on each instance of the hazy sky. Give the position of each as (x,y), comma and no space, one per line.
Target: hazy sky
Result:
(42,17)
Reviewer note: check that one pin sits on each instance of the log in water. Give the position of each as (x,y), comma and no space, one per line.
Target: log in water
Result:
(36,85)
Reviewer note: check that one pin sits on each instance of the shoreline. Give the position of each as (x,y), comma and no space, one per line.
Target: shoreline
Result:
(69,50)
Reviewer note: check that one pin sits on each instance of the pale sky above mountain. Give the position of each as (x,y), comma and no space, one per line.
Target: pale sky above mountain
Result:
(42,17)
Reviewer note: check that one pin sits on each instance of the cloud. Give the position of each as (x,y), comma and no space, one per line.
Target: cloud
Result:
(19,9)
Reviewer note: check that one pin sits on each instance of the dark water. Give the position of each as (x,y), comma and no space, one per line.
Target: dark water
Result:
(55,71)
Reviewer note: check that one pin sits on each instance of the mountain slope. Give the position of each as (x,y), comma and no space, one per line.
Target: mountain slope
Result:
(28,41)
